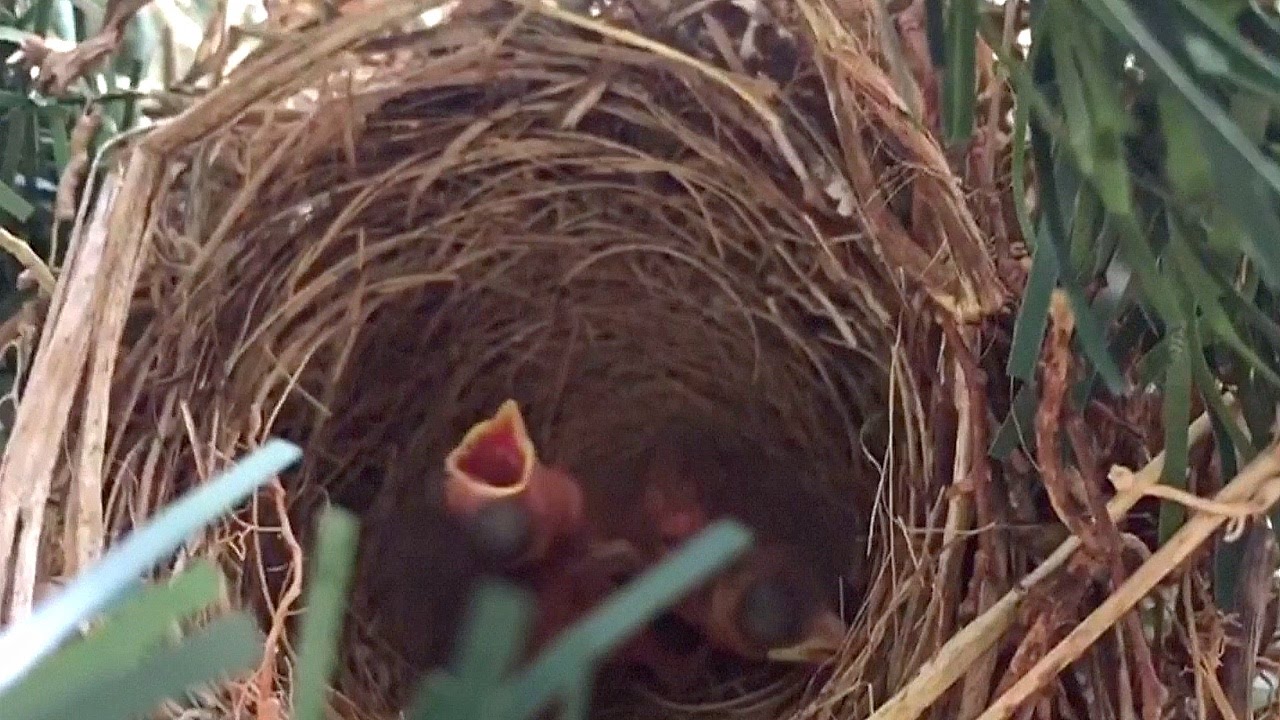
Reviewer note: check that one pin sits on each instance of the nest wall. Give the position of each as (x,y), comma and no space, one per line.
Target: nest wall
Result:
(609,220)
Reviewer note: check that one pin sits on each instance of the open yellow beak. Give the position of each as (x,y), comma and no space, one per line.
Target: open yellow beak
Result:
(824,640)
(495,460)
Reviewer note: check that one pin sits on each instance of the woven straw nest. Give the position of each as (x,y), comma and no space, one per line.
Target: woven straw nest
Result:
(365,240)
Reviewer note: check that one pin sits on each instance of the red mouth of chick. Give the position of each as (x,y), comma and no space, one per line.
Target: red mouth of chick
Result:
(496,457)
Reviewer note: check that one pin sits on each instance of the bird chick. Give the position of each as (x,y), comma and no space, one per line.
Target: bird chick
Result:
(771,606)
(513,505)
(571,582)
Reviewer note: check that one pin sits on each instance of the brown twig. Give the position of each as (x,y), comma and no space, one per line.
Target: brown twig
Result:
(1061,485)
(1254,586)
(990,576)
(58,69)
(1153,692)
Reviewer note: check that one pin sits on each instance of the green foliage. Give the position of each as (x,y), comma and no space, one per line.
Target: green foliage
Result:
(138,655)
(117,576)
(1152,128)
(35,129)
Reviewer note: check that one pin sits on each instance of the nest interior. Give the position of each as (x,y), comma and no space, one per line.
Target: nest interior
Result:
(512,205)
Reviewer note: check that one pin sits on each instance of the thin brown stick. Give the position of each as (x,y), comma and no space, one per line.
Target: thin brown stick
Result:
(1254,588)
(1153,692)
(1054,375)
(990,575)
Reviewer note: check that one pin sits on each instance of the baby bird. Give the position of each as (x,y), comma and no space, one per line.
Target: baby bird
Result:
(529,520)
(773,603)
(513,505)
(770,606)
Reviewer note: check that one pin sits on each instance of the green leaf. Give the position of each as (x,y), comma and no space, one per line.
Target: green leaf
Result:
(1033,315)
(1176,416)
(1188,167)
(326,605)
(1087,227)
(140,626)
(494,637)
(57,118)
(1089,332)
(1207,384)
(13,35)
(14,204)
(1018,429)
(1154,365)
(229,645)
(1075,108)
(500,621)
(1217,49)
(1248,181)
(1021,134)
(26,643)
(62,20)
(1201,283)
(16,141)
(129,110)
(560,670)
(960,83)
(40,16)
(935,31)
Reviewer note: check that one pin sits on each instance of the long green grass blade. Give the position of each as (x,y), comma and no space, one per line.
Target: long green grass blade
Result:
(1089,333)
(494,636)
(1018,429)
(960,83)
(1211,390)
(17,141)
(14,204)
(1248,180)
(1033,315)
(26,643)
(1218,50)
(40,16)
(13,35)
(57,119)
(577,651)
(326,603)
(935,23)
(140,625)
(1176,415)
(1228,557)
(230,644)
(1214,321)
(499,622)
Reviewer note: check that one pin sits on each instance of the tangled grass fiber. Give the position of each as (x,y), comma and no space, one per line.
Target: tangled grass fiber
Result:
(370,235)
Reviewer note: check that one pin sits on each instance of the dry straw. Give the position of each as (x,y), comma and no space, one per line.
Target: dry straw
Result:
(371,233)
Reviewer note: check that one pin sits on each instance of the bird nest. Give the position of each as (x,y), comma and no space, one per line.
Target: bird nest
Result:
(366,239)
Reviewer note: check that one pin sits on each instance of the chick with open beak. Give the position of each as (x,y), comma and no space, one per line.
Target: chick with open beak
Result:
(530,520)
(513,506)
